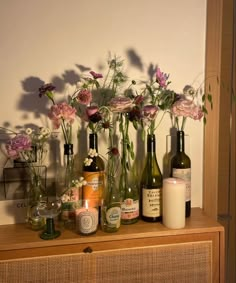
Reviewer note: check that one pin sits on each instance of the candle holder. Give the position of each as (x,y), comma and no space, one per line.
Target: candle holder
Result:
(49,208)
(86,219)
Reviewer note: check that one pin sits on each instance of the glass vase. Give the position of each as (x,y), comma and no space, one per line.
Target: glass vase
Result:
(111,207)
(70,194)
(35,194)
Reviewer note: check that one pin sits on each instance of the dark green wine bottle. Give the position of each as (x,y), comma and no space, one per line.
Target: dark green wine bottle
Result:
(181,168)
(151,185)
(94,175)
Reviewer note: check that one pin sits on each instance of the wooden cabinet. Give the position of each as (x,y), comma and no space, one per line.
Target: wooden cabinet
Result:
(142,252)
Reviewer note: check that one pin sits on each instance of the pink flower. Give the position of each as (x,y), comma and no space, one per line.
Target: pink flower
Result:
(93,114)
(84,97)
(150,111)
(187,108)
(91,110)
(18,144)
(96,75)
(121,104)
(161,78)
(62,111)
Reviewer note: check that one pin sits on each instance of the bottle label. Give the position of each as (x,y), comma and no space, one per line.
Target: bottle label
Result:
(184,174)
(129,209)
(151,202)
(93,190)
(113,215)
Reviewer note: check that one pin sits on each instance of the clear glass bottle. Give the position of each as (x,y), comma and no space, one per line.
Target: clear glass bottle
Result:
(94,175)
(70,194)
(35,194)
(151,185)
(181,168)
(111,207)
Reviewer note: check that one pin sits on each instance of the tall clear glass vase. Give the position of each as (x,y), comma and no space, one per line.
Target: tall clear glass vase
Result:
(36,192)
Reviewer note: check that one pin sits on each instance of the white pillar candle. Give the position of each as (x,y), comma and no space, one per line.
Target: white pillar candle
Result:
(174,192)
(86,219)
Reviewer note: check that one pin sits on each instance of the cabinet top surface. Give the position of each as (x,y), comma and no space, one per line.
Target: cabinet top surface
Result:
(18,236)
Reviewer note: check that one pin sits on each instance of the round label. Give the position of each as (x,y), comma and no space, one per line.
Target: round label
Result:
(113,215)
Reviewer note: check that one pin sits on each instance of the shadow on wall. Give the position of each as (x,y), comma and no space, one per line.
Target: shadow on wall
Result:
(31,103)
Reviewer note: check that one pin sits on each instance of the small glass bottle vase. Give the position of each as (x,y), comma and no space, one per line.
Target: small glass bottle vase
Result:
(34,220)
(70,194)
(111,207)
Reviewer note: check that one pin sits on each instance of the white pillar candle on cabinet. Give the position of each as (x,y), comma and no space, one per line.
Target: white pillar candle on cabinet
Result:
(174,193)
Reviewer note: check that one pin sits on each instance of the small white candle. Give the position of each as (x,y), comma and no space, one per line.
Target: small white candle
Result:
(174,192)
(86,219)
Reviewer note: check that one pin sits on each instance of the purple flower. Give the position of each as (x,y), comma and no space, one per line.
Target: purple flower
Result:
(135,114)
(149,112)
(96,75)
(138,99)
(43,90)
(161,78)
(84,97)
(93,114)
(18,144)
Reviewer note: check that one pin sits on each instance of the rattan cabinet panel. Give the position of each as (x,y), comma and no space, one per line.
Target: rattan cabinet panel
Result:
(142,252)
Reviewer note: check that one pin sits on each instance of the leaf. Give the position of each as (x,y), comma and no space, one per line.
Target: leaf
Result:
(203,97)
(204,110)
(209,87)
(204,120)
(209,98)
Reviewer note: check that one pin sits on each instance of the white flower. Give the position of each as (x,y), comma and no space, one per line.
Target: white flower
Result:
(79,183)
(29,131)
(45,131)
(92,152)
(65,198)
(88,161)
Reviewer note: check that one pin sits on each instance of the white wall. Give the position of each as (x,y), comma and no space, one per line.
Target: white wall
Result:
(43,40)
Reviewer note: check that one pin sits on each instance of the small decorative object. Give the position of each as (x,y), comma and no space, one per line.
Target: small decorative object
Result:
(86,219)
(49,208)
(174,203)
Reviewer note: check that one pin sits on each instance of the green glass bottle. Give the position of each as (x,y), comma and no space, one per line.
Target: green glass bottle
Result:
(129,201)
(111,207)
(181,168)
(151,185)
(94,175)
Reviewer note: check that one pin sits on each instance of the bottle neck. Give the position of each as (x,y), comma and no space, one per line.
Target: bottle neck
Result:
(151,144)
(68,149)
(93,141)
(180,141)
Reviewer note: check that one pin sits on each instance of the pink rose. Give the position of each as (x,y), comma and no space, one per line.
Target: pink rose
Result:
(62,111)
(96,75)
(187,108)
(84,97)
(150,111)
(121,104)
(18,144)
(161,78)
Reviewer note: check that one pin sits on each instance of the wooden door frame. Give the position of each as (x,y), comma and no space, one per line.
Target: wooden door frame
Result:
(219,192)
(216,167)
